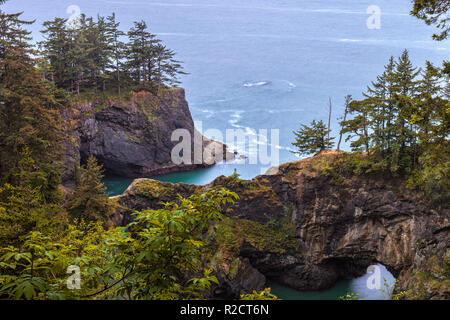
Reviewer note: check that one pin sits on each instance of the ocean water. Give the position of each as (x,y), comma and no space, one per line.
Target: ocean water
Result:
(264,64)
(356,286)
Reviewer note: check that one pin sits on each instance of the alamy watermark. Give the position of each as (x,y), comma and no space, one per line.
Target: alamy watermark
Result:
(74,280)
(374,20)
(374,280)
(73,22)
(256,144)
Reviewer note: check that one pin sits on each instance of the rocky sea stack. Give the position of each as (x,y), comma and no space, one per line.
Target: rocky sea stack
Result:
(307,227)
(131,137)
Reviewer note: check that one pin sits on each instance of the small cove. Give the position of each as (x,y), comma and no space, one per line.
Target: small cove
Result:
(117,185)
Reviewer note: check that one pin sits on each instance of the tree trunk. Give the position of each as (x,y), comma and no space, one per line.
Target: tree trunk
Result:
(347,101)
(329,125)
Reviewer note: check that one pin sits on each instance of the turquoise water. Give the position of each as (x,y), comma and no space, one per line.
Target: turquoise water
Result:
(357,286)
(117,185)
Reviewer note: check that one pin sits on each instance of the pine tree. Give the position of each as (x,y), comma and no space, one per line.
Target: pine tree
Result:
(382,123)
(434,12)
(139,52)
(383,110)
(22,206)
(57,50)
(90,201)
(91,55)
(358,126)
(348,99)
(406,90)
(430,104)
(166,68)
(117,46)
(29,112)
(312,139)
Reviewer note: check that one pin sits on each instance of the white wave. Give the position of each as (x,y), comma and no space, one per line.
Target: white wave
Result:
(256,84)
(235,117)
(292,85)
(350,40)
(209,113)
(275,111)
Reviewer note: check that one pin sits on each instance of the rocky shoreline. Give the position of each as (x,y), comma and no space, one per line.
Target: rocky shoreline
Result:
(306,230)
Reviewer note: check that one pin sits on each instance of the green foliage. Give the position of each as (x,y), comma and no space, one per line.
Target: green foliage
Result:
(37,268)
(234,182)
(261,295)
(433,12)
(93,55)
(148,259)
(381,123)
(89,200)
(22,205)
(312,139)
(433,175)
(431,280)
(403,125)
(275,236)
(29,110)
(25,271)
(349,296)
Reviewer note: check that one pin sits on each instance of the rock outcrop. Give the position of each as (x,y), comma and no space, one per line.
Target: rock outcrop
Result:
(132,138)
(307,229)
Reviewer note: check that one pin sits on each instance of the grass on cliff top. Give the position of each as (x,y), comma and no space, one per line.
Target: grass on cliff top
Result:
(102,98)
(151,188)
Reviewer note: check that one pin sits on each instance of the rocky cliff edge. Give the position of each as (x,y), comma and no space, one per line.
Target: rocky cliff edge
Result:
(132,137)
(307,229)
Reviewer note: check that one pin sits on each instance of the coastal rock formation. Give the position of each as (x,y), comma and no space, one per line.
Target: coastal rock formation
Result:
(132,138)
(307,228)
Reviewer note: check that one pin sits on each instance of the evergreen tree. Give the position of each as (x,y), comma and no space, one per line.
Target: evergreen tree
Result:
(381,123)
(430,104)
(139,52)
(22,206)
(114,35)
(29,112)
(348,99)
(166,68)
(383,109)
(312,139)
(57,50)
(90,55)
(405,153)
(90,201)
(358,126)
(434,12)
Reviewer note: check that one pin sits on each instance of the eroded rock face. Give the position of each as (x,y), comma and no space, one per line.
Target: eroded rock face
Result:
(340,228)
(133,138)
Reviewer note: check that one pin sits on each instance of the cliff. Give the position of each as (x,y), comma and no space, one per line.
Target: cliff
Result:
(307,228)
(132,137)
